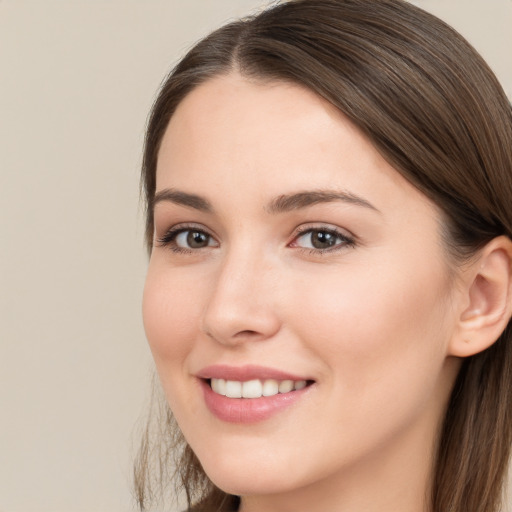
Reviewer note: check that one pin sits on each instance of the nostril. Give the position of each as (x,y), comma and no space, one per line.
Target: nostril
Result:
(247,334)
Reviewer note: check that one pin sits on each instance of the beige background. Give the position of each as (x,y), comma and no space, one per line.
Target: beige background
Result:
(77,79)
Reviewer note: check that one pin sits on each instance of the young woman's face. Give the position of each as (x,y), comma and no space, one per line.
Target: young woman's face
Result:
(289,254)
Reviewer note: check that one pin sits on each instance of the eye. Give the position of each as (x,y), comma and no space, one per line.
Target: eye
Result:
(183,239)
(322,239)
(193,239)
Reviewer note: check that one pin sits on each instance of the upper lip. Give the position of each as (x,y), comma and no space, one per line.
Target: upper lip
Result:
(245,373)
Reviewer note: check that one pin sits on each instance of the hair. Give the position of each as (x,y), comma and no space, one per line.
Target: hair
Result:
(435,111)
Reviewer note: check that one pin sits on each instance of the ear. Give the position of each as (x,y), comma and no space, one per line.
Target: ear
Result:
(487,299)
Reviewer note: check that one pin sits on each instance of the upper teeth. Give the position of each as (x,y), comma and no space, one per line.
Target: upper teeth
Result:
(254,388)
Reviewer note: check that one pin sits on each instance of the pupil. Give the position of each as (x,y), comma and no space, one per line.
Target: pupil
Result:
(322,240)
(196,239)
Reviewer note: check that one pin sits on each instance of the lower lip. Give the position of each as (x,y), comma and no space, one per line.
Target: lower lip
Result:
(248,410)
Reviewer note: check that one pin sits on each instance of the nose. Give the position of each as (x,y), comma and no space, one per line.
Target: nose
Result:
(241,307)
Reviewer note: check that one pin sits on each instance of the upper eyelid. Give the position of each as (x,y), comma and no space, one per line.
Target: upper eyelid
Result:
(296,233)
(347,239)
(307,228)
(176,229)
(186,226)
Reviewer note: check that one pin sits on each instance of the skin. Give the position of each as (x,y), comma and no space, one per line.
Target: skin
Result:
(371,320)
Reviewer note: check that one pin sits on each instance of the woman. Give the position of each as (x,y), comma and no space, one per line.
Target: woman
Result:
(327,302)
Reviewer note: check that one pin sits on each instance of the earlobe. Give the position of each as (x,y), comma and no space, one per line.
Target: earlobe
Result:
(488,306)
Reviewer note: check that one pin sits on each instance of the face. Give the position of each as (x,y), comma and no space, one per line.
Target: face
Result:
(290,256)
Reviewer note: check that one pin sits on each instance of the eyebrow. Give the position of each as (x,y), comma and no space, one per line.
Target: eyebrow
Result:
(281,204)
(184,199)
(299,200)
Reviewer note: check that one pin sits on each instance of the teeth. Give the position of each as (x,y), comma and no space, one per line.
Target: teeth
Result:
(252,389)
(270,387)
(255,388)
(300,384)
(219,386)
(233,389)
(285,386)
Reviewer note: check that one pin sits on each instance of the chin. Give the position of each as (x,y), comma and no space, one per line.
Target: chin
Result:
(249,483)
(248,473)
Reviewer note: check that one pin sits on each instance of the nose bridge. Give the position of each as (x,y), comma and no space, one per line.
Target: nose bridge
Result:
(241,305)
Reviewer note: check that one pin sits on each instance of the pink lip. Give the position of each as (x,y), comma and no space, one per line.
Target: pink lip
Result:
(247,410)
(245,373)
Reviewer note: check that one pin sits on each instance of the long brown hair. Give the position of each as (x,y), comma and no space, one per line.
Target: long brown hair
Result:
(433,108)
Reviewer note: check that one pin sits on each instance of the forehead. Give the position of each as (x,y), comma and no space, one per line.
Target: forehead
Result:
(270,138)
(232,110)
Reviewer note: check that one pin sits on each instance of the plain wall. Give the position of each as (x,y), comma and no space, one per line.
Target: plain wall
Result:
(77,78)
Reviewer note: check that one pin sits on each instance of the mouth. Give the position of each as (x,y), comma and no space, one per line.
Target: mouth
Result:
(250,394)
(255,388)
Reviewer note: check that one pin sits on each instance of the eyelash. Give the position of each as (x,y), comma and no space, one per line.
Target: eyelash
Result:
(169,239)
(344,240)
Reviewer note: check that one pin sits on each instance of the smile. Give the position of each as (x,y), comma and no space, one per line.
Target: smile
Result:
(250,394)
(255,388)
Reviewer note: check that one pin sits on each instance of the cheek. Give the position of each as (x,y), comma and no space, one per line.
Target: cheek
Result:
(170,314)
(171,318)
(389,325)
(381,342)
